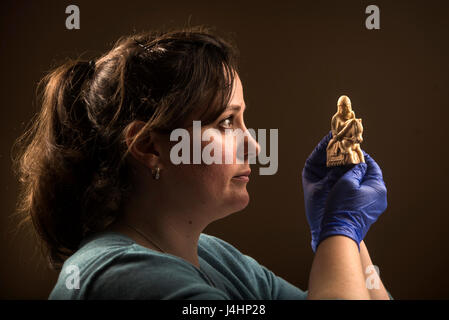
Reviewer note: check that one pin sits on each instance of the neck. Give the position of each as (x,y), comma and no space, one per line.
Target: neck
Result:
(175,232)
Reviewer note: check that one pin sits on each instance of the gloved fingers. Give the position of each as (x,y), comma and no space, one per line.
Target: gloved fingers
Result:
(336,173)
(318,155)
(315,166)
(312,174)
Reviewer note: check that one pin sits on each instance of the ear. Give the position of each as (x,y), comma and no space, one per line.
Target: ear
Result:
(141,144)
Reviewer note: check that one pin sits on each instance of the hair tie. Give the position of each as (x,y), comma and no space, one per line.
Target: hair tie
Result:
(92,64)
(140,44)
(150,47)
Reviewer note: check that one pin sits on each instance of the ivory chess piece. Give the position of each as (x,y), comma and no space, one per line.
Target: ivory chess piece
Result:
(347,130)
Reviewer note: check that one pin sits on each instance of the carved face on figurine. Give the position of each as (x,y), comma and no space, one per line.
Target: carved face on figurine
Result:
(344,104)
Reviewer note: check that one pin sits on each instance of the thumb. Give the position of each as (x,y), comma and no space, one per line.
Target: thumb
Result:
(353,177)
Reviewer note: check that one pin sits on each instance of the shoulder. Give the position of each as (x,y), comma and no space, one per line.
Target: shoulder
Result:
(112,266)
(140,273)
(258,280)
(223,255)
(220,253)
(210,242)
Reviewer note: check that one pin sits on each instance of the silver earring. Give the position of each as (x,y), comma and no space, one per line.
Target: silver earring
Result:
(156,175)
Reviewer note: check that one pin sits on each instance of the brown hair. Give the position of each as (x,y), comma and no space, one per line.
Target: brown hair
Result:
(71,160)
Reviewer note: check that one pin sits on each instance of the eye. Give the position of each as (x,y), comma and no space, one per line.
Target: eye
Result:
(228,122)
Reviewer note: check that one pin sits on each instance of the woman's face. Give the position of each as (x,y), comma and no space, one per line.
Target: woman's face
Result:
(214,189)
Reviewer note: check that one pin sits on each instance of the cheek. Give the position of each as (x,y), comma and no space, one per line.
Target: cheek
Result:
(211,184)
(195,179)
(229,149)
(215,171)
(224,144)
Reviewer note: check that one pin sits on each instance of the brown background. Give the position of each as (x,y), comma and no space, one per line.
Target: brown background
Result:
(296,59)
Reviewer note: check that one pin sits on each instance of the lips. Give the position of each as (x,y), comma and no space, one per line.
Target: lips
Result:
(244,173)
(244,176)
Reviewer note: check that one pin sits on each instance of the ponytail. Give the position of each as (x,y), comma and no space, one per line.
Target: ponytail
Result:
(57,166)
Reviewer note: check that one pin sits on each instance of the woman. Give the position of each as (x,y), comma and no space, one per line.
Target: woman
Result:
(122,221)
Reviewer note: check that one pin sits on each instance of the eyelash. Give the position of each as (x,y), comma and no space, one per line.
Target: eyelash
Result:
(228,118)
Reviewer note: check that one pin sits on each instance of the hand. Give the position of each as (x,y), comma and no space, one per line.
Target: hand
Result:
(355,202)
(317,181)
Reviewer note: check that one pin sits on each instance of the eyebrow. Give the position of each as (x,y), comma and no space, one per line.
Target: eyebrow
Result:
(236,107)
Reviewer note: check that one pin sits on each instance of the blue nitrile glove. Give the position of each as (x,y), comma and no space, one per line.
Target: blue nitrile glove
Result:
(355,202)
(317,181)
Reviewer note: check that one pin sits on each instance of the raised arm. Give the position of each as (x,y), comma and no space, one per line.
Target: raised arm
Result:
(340,205)
(337,271)
(344,130)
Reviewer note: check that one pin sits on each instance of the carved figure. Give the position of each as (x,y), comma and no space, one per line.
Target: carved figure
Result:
(344,147)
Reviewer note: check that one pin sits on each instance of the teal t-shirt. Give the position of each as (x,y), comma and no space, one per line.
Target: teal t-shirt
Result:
(110,265)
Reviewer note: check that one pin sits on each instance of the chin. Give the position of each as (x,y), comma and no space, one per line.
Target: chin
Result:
(241,202)
(236,204)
